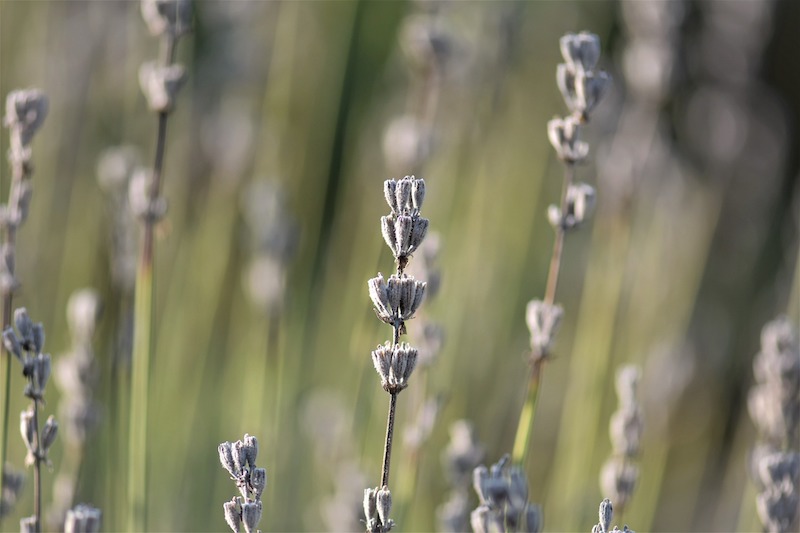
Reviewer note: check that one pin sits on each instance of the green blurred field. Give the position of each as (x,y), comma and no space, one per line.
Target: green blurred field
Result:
(679,277)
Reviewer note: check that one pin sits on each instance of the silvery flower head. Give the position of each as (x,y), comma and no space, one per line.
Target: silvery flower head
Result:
(543,321)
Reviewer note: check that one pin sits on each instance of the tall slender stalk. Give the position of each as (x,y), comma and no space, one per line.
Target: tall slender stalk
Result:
(395,301)
(25,113)
(581,86)
(160,84)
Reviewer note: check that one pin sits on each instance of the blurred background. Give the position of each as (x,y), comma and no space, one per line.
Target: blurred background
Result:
(293,115)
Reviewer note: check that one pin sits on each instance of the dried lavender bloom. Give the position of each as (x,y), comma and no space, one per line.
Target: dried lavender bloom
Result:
(543,321)
(619,475)
(160,85)
(779,503)
(377,505)
(606,514)
(397,299)
(580,204)
(774,402)
(49,432)
(139,199)
(83,519)
(579,84)
(394,365)
(503,494)
(26,110)
(172,17)
(404,229)
(564,135)
(239,460)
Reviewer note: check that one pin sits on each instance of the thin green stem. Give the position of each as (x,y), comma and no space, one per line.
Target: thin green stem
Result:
(143,339)
(528,414)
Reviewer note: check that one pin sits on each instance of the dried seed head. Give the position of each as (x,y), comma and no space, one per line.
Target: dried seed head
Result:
(226,458)
(83,519)
(41,372)
(26,110)
(160,85)
(239,454)
(251,516)
(11,343)
(19,203)
(533,518)
(564,135)
(38,337)
(27,430)
(394,365)
(379,294)
(258,481)
(606,512)
(49,433)
(403,194)
(589,90)
(581,50)
(370,507)
(24,327)
(483,520)
(383,500)
(543,321)
(172,17)
(390,192)
(251,450)
(233,514)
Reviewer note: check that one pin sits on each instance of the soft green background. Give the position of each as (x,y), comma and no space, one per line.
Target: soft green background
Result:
(680,281)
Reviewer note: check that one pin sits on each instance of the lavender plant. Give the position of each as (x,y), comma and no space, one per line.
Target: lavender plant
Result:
(239,459)
(76,377)
(160,82)
(774,405)
(25,113)
(504,506)
(619,474)
(395,301)
(581,86)
(26,344)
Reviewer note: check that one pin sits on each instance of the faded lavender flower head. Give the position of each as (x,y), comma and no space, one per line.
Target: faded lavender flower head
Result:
(774,405)
(579,83)
(404,229)
(239,459)
(460,458)
(160,85)
(606,513)
(26,110)
(377,506)
(83,519)
(504,506)
(543,321)
(619,475)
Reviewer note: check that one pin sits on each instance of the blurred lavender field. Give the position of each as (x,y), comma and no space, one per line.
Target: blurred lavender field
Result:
(293,114)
